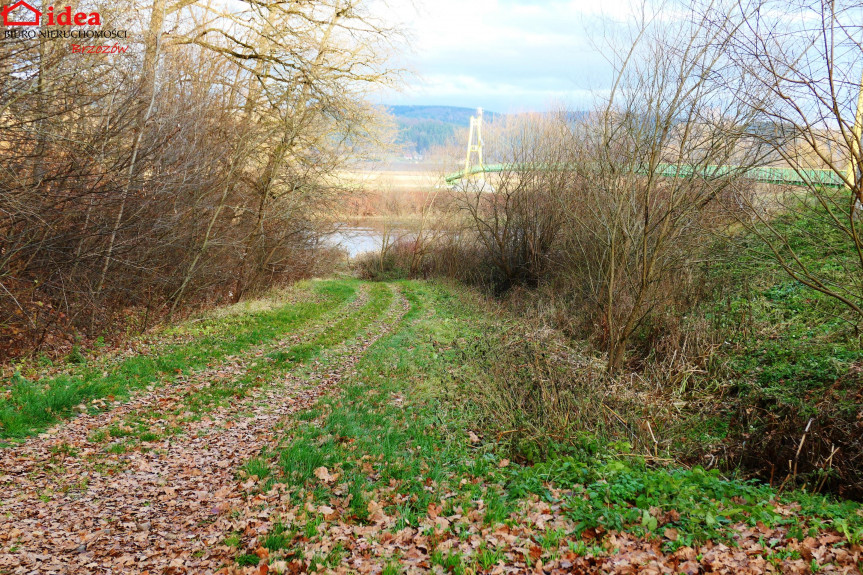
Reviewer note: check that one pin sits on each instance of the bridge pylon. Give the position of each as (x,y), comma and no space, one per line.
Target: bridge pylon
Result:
(474,146)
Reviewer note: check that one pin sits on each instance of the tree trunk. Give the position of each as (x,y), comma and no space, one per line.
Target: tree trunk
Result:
(145,107)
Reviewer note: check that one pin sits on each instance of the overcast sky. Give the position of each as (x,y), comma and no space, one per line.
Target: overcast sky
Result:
(504,55)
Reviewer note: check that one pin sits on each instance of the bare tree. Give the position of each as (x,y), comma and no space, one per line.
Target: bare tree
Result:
(515,216)
(647,169)
(806,58)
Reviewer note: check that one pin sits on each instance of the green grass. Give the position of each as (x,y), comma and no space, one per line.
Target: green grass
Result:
(788,354)
(630,496)
(396,440)
(260,370)
(488,558)
(247,560)
(789,341)
(257,369)
(451,562)
(298,461)
(31,406)
(278,363)
(257,467)
(279,537)
(396,434)
(233,540)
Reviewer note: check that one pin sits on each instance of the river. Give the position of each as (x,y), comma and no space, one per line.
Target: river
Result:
(358,240)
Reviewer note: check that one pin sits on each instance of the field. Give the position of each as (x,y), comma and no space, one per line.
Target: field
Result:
(395,195)
(395,175)
(335,427)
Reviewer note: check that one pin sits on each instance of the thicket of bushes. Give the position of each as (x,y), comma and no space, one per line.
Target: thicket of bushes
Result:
(194,168)
(746,370)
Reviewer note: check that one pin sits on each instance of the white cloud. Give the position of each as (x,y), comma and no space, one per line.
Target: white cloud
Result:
(504,54)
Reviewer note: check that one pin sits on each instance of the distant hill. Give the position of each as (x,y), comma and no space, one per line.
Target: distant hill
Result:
(445,114)
(423,127)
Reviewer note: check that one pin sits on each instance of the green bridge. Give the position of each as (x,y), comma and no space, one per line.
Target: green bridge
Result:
(790,176)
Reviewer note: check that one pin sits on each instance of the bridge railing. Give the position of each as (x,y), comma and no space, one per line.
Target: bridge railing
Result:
(790,176)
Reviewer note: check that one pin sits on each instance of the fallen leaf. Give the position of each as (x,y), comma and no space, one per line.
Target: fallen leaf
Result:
(671,534)
(323,474)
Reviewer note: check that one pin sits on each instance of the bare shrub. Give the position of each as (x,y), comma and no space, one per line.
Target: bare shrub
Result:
(805,60)
(391,262)
(541,395)
(515,217)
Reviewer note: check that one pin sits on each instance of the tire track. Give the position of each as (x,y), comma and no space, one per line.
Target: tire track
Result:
(170,506)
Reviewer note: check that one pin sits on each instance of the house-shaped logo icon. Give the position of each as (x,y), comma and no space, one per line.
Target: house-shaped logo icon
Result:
(9,19)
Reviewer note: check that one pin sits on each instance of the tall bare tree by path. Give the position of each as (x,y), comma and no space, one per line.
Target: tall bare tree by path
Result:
(305,89)
(515,217)
(613,207)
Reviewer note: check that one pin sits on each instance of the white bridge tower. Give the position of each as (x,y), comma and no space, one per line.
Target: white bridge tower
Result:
(474,144)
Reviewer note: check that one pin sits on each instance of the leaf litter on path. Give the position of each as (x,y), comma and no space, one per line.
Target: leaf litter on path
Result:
(168,505)
(164,507)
